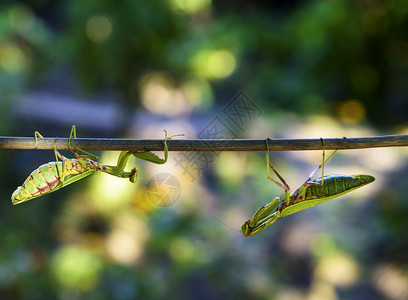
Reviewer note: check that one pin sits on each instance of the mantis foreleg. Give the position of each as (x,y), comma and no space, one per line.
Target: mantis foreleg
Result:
(124,156)
(151,157)
(264,216)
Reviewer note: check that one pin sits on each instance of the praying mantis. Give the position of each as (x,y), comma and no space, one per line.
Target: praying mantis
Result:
(310,193)
(52,176)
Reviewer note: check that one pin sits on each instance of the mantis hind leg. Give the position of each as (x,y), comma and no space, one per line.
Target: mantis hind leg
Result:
(324,161)
(63,169)
(153,158)
(283,185)
(36,136)
(76,149)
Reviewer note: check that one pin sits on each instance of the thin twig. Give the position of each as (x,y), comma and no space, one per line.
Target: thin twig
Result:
(206,145)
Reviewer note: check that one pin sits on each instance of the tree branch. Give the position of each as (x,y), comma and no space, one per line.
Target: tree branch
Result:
(205,145)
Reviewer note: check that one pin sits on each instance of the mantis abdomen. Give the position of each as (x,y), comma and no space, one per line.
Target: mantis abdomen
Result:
(47,178)
(336,185)
(333,187)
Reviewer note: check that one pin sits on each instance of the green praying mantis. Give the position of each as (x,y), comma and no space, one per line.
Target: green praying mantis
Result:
(52,176)
(55,175)
(310,193)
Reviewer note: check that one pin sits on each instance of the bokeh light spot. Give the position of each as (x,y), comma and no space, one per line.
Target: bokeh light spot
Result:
(351,112)
(231,167)
(198,92)
(110,193)
(386,159)
(191,6)
(125,243)
(322,290)
(214,64)
(22,18)
(391,282)
(181,249)
(339,269)
(98,29)
(221,64)
(160,96)
(76,268)
(12,59)
(322,245)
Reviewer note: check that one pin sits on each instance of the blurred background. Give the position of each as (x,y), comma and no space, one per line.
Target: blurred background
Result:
(207,69)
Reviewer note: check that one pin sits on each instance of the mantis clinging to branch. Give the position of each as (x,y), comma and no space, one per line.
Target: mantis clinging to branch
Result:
(54,175)
(310,193)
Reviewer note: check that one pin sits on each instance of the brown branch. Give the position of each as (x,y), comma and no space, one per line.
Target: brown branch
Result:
(206,145)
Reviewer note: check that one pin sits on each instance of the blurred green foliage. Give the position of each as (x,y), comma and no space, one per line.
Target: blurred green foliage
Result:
(313,68)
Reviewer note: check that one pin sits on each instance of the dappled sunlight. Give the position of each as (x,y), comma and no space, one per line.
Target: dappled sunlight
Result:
(188,174)
(231,167)
(338,269)
(322,290)
(199,92)
(287,293)
(189,252)
(156,131)
(259,282)
(323,245)
(12,58)
(402,129)
(111,193)
(22,18)
(125,242)
(324,126)
(70,220)
(332,265)
(195,199)
(141,201)
(182,250)
(234,217)
(391,281)
(191,6)
(315,127)
(76,268)
(298,237)
(160,96)
(382,159)
(351,112)
(91,241)
(98,29)
(213,64)
(261,128)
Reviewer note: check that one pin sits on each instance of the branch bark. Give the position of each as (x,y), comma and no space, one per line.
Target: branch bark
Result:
(217,145)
